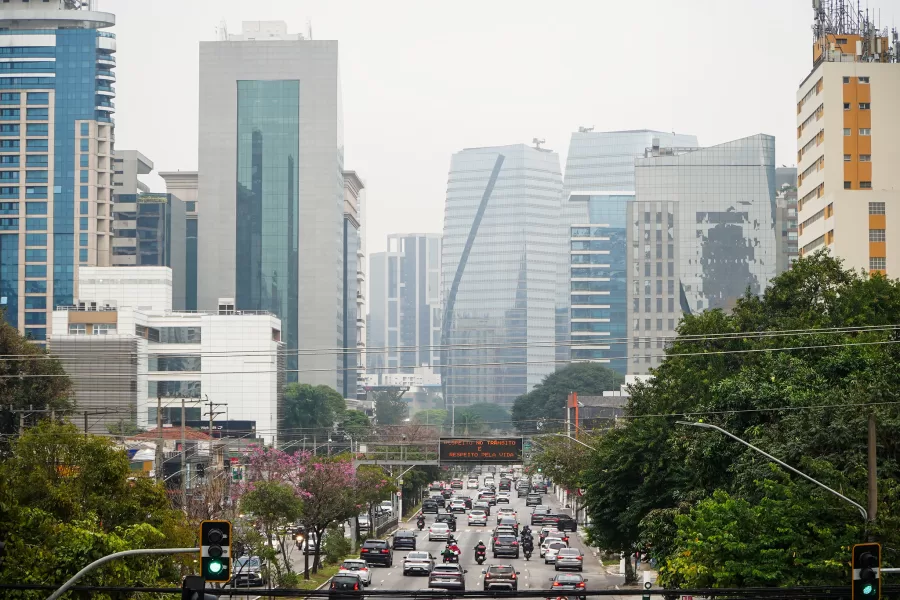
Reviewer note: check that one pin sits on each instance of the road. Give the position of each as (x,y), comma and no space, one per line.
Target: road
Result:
(534,574)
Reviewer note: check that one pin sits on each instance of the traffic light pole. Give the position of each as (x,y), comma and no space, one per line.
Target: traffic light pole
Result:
(100,561)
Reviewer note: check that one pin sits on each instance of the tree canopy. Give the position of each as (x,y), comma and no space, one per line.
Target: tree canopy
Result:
(796,372)
(309,408)
(543,408)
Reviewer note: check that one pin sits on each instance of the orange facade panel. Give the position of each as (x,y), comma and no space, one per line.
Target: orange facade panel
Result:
(877,248)
(849,93)
(864,171)
(863,92)
(877,222)
(864,144)
(851,173)
(864,118)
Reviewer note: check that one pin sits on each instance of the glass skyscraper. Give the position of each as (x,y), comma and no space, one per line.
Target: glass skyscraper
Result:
(56,83)
(498,269)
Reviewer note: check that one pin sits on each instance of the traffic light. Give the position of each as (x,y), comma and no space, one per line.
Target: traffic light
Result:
(192,589)
(215,551)
(866,572)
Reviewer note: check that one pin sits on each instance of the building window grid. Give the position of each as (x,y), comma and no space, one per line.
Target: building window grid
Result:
(876,235)
(877,263)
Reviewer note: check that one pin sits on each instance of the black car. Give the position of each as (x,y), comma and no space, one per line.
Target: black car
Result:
(503,577)
(566,522)
(447,494)
(523,490)
(538,514)
(449,519)
(429,506)
(440,500)
(345,586)
(540,488)
(507,545)
(377,552)
(505,485)
(404,540)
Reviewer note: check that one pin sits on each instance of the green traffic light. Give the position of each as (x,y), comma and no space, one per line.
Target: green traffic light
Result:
(868,589)
(215,567)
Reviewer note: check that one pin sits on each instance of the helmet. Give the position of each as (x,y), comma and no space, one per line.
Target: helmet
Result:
(480,542)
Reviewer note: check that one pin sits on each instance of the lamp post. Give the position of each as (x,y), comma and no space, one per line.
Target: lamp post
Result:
(861,510)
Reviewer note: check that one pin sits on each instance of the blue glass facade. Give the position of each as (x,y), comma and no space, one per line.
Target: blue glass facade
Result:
(599,280)
(350,358)
(268,147)
(190,262)
(60,92)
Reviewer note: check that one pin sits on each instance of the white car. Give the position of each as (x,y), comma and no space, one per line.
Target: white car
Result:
(506,512)
(358,567)
(472,484)
(420,563)
(546,544)
(438,531)
(477,517)
(457,506)
(502,497)
(387,507)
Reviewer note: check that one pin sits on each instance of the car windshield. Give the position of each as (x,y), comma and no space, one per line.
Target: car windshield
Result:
(353,564)
(418,556)
(375,544)
(569,578)
(446,569)
(476,513)
(404,534)
(440,526)
(557,545)
(506,538)
(246,562)
(570,552)
(501,570)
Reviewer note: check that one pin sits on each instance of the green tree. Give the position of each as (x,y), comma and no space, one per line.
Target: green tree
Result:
(543,408)
(390,408)
(274,505)
(493,416)
(310,409)
(469,422)
(356,424)
(432,417)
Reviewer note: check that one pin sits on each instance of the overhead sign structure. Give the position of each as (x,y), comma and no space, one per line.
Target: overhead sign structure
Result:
(491,450)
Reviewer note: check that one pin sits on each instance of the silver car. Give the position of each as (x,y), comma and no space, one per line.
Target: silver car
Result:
(418,563)
(438,531)
(247,571)
(569,558)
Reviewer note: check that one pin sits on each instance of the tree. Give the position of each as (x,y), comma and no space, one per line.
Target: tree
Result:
(470,422)
(432,417)
(30,379)
(371,487)
(543,408)
(309,408)
(274,505)
(390,409)
(356,424)
(492,416)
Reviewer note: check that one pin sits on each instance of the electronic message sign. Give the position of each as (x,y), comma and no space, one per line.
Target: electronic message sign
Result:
(492,450)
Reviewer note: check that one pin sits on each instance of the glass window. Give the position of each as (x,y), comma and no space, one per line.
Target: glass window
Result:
(85,144)
(876,208)
(36,239)
(36,160)
(35,208)
(35,287)
(876,235)
(865,158)
(84,208)
(83,192)
(36,224)
(35,318)
(10,98)
(104,328)
(671,302)
(636,305)
(84,160)
(36,144)
(173,389)
(847,158)
(37,98)
(37,129)
(36,302)
(83,176)
(85,129)
(847,185)
(83,254)
(77,328)
(864,106)
(846,131)
(647,304)
(179,335)
(82,223)
(35,255)
(864,80)
(38,114)
(35,270)
(82,239)
(190,206)
(877,263)
(865,185)
(865,131)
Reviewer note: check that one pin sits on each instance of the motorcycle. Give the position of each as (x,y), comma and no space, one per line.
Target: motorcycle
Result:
(527,554)
(480,557)
(421,523)
(451,558)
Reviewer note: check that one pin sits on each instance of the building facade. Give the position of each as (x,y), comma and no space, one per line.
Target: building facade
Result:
(786,217)
(157,355)
(499,259)
(592,291)
(56,142)
(184,185)
(847,151)
(270,118)
(702,232)
(354,283)
(376,332)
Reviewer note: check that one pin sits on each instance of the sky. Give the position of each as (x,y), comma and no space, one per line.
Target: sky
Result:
(423,79)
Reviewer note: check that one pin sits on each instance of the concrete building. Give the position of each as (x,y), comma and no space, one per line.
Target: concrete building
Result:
(376,332)
(128,166)
(128,353)
(406,311)
(592,290)
(499,259)
(354,325)
(56,138)
(701,232)
(272,183)
(847,152)
(184,185)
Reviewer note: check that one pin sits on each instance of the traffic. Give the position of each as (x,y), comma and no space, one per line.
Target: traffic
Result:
(481,531)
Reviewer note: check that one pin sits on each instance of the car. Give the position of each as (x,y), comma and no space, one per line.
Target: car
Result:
(467,500)
(488,481)
(482,505)
(503,497)
(503,577)
(449,519)
(556,533)
(447,493)
(345,586)
(447,576)
(540,488)
(308,545)
(569,558)
(456,484)
(532,500)
(377,552)
(364,523)
(505,512)
(509,522)
(457,506)
(404,539)
(566,522)
(505,484)
(550,549)
(247,571)
(387,507)
(358,567)
(472,484)
(418,563)
(546,543)
(523,491)
(488,496)
(428,506)
(477,517)
(439,500)
(537,515)
(439,531)
(566,582)
(542,533)
(505,544)
(550,520)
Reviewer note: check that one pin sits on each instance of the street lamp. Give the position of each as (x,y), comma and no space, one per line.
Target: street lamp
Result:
(862,510)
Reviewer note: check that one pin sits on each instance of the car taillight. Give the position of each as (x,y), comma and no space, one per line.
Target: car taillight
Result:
(364,550)
(384,551)
(515,543)
(556,584)
(355,587)
(513,576)
(364,568)
(580,558)
(487,575)
(580,584)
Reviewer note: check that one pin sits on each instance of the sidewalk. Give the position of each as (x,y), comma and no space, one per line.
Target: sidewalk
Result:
(615,578)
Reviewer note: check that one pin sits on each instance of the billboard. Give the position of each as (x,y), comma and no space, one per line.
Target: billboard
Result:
(489,450)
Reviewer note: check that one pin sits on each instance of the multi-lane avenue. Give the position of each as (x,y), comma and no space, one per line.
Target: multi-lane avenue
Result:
(533,573)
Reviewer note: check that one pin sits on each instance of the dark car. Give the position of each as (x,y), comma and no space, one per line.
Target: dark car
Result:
(507,545)
(540,488)
(449,519)
(537,516)
(505,485)
(467,500)
(429,506)
(404,540)
(566,523)
(503,577)
(509,522)
(345,586)
(439,500)
(377,552)
(568,582)
(447,576)
(523,490)
(549,520)
(447,494)
(533,500)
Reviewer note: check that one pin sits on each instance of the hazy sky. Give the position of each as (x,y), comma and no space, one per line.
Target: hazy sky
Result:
(422,79)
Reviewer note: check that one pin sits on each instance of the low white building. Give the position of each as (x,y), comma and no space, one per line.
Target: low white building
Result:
(128,352)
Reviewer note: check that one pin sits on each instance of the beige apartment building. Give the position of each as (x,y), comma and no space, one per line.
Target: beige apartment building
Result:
(848,157)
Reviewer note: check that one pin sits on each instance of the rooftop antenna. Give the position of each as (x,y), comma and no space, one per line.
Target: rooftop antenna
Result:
(309,29)
(537,143)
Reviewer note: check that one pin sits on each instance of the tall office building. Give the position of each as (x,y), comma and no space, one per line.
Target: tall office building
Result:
(786,216)
(847,116)
(592,291)
(499,261)
(354,284)
(56,138)
(406,313)
(184,185)
(701,232)
(376,317)
(272,183)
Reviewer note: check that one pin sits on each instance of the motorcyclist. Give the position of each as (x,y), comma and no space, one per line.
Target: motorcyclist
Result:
(526,531)
(454,547)
(480,548)
(420,522)
(447,553)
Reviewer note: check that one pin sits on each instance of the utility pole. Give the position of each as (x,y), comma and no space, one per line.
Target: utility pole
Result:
(873,470)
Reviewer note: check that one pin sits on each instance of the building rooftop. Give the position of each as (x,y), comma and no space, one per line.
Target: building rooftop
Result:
(173,433)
